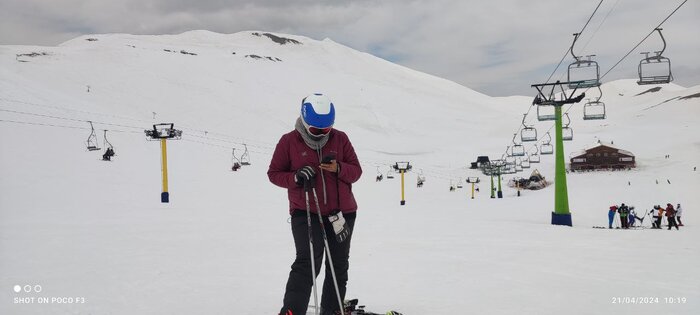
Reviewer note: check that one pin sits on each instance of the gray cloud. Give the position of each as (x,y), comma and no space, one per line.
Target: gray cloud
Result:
(496,47)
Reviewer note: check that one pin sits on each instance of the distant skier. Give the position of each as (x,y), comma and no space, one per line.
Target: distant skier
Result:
(633,217)
(611,215)
(315,154)
(679,212)
(659,216)
(671,216)
(654,217)
(624,212)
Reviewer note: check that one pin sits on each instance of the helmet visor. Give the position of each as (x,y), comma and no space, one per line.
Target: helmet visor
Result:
(319,131)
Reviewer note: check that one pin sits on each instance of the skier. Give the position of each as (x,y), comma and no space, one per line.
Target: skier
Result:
(632,217)
(624,211)
(655,217)
(679,212)
(659,216)
(671,216)
(315,154)
(611,215)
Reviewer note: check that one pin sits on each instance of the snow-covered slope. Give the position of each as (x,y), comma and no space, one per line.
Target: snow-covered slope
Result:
(81,227)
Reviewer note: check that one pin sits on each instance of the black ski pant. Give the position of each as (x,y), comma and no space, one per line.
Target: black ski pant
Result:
(658,222)
(300,283)
(672,223)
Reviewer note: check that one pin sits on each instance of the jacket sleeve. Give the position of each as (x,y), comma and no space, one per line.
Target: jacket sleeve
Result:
(280,172)
(350,169)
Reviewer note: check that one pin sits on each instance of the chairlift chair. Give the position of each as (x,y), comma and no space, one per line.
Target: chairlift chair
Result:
(92,139)
(594,110)
(547,148)
(245,157)
(109,151)
(390,173)
(535,157)
(508,153)
(528,133)
(655,69)
(518,165)
(517,149)
(567,134)
(235,162)
(420,179)
(546,112)
(525,163)
(579,73)
(459,183)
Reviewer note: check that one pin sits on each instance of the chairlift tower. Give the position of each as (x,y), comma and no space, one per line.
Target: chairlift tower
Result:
(403,167)
(473,181)
(495,167)
(163,132)
(561,214)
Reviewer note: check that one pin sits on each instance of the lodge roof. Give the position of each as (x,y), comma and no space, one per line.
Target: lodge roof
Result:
(601,144)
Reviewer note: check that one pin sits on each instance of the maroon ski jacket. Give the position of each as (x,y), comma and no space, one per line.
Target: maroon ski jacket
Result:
(292,154)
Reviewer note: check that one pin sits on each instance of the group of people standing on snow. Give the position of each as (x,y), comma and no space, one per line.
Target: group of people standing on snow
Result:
(628,216)
(673,216)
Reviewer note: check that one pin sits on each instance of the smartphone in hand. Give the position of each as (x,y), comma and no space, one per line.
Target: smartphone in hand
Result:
(328,158)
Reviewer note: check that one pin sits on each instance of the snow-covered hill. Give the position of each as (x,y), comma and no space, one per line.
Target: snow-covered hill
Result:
(81,227)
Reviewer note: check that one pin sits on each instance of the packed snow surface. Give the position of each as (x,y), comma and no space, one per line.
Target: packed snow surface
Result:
(73,226)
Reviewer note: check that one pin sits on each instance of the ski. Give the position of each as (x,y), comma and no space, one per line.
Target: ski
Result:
(352,307)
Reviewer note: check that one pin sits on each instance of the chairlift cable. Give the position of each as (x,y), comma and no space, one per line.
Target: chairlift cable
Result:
(569,48)
(643,39)
(600,25)
(67,119)
(616,64)
(566,53)
(62,126)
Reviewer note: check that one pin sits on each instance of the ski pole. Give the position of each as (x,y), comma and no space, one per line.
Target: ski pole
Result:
(311,245)
(328,252)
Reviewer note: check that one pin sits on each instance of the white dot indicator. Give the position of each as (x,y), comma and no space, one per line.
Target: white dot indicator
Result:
(17,289)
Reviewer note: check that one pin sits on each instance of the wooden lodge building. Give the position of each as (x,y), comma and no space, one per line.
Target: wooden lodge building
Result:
(602,156)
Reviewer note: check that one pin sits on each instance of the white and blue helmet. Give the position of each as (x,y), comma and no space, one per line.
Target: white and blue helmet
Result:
(317,111)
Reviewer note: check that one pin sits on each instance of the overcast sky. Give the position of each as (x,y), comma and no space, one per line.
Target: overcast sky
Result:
(495,47)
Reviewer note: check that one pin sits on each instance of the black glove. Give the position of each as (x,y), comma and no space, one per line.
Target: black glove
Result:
(305,176)
(340,226)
